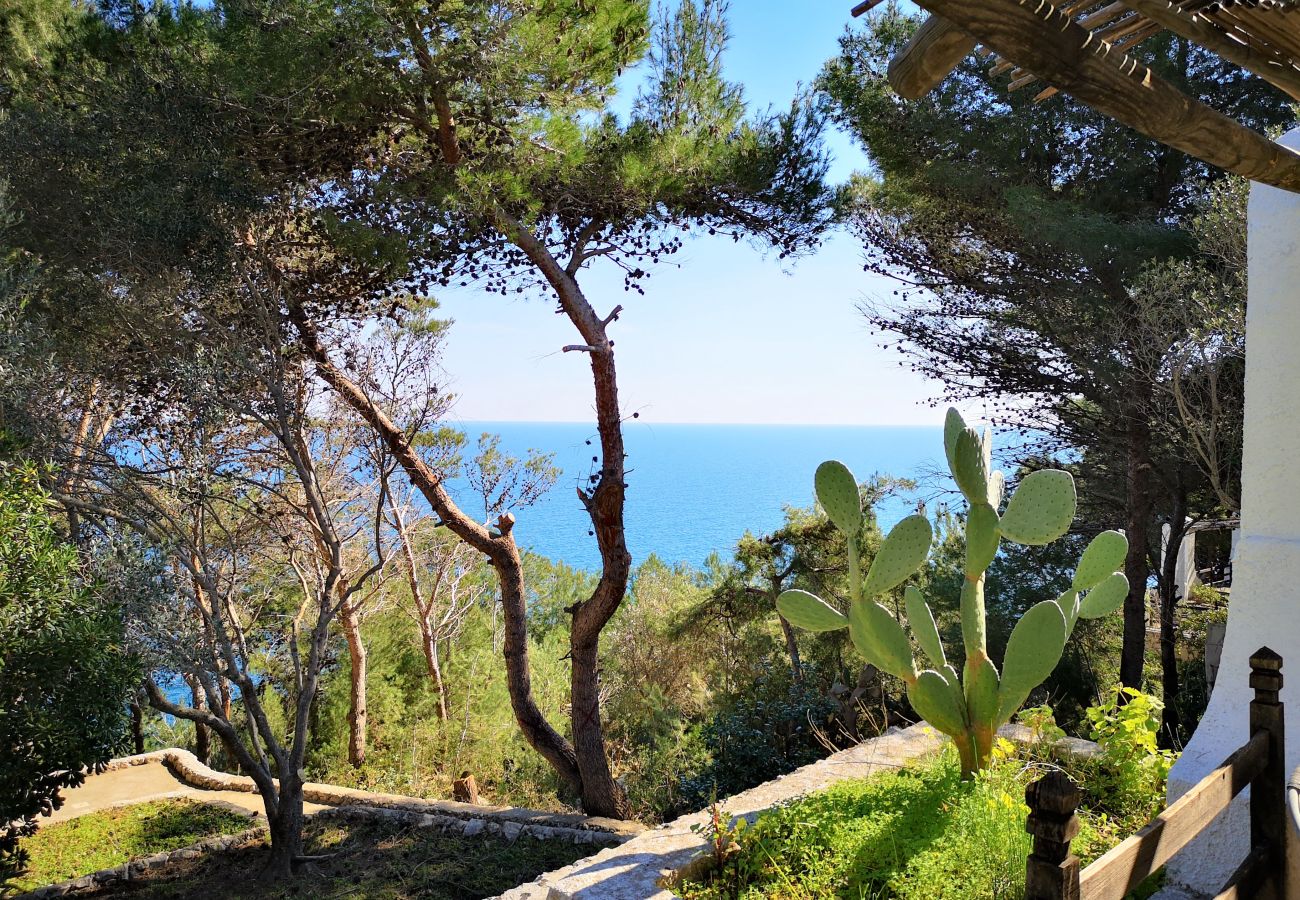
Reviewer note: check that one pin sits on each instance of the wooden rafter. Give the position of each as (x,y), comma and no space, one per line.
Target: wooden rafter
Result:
(1045,42)
(1198,28)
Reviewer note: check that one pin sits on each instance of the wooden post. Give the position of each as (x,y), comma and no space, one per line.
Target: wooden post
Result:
(1052,872)
(1268,812)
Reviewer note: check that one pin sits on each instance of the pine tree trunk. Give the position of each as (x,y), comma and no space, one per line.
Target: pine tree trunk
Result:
(1136,564)
(357,700)
(499,548)
(792,648)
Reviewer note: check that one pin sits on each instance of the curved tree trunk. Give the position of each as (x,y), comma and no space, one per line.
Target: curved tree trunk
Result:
(357,718)
(498,547)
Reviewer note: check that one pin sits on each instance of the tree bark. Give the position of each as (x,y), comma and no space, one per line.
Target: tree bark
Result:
(1169,600)
(284,822)
(792,647)
(434,666)
(1136,565)
(137,726)
(498,547)
(202,740)
(357,717)
(601,794)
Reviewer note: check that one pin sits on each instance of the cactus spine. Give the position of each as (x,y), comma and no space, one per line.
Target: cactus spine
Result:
(971,708)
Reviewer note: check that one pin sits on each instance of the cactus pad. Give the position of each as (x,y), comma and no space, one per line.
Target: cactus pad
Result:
(1033,651)
(837,492)
(981,537)
(923,627)
(1104,555)
(901,554)
(981,690)
(880,639)
(1105,598)
(1069,603)
(997,488)
(810,611)
(938,702)
(1041,509)
(968,470)
(953,425)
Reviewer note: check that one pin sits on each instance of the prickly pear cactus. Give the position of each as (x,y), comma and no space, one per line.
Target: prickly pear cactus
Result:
(972,707)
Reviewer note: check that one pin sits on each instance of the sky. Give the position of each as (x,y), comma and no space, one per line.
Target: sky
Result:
(722,334)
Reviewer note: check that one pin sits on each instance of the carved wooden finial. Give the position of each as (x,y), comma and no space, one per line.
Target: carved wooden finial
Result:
(1052,872)
(1266,675)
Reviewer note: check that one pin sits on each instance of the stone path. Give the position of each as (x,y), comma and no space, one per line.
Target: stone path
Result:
(129,785)
(640,868)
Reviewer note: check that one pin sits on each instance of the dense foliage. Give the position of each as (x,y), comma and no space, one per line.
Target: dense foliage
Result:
(65,676)
(922,833)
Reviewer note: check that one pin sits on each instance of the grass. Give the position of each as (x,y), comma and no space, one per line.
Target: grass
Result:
(366,859)
(110,837)
(919,833)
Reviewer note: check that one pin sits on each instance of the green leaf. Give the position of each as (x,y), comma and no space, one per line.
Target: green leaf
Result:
(809,611)
(1041,509)
(837,492)
(981,538)
(938,702)
(901,554)
(1105,598)
(1033,651)
(921,619)
(880,639)
(1104,555)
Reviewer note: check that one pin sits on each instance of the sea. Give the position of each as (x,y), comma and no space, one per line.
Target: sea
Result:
(697,489)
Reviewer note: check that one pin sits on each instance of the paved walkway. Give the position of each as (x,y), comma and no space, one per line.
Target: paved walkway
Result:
(140,784)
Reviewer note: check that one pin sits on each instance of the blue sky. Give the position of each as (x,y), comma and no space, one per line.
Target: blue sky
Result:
(722,334)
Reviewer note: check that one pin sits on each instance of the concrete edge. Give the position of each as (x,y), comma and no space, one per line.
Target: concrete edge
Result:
(187,768)
(124,872)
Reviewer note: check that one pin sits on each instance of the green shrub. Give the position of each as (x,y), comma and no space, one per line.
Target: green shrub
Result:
(1127,779)
(921,833)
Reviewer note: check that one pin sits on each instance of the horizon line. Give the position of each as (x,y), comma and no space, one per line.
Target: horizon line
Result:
(707,424)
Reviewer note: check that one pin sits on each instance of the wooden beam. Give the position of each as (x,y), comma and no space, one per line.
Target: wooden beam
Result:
(1281,76)
(1039,37)
(1128,864)
(934,51)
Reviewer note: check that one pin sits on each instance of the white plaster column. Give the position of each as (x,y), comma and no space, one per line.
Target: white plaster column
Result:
(1265,605)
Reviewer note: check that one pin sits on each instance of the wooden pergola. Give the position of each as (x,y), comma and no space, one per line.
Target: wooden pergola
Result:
(1081,47)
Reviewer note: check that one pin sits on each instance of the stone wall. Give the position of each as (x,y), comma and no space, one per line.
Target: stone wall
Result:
(132,869)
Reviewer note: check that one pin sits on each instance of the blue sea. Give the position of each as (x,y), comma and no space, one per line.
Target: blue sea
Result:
(696,489)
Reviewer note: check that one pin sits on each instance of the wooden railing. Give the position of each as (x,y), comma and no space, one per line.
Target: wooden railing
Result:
(1053,872)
